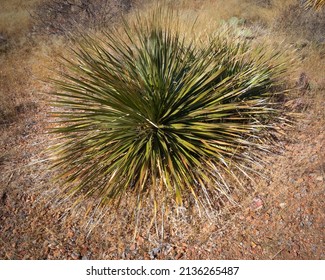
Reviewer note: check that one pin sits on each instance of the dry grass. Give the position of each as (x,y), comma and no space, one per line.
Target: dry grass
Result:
(15,17)
(15,49)
(22,70)
(316,4)
(14,80)
(300,23)
(251,11)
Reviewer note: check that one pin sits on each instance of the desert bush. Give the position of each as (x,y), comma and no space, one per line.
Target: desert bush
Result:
(3,43)
(301,23)
(145,111)
(64,16)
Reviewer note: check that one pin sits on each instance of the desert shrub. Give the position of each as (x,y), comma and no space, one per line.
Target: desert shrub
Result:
(3,43)
(301,23)
(148,112)
(64,16)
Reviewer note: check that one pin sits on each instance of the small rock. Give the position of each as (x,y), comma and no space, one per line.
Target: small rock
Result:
(70,233)
(283,205)
(56,254)
(27,257)
(299,181)
(179,255)
(133,247)
(140,240)
(154,252)
(74,8)
(75,256)
(84,250)
(319,178)
(257,203)
(2,39)
(124,255)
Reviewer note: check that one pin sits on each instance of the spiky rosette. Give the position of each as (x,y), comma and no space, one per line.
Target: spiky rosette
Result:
(150,112)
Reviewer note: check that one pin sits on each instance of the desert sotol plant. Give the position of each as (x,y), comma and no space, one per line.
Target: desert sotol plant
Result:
(149,112)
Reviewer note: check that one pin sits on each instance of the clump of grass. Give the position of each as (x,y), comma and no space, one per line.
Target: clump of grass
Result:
(147,112)
(316,4)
